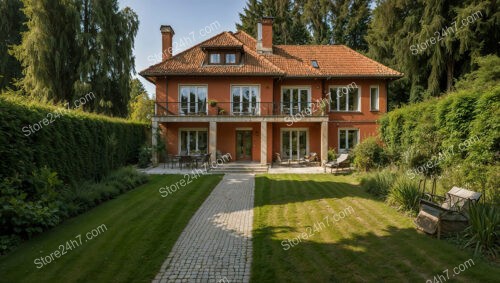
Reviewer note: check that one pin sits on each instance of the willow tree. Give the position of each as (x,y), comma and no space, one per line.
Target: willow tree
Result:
(11,26)
(106,62)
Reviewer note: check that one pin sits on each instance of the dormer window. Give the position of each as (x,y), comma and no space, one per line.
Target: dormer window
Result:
(223,55)
(214,58)
(230,58)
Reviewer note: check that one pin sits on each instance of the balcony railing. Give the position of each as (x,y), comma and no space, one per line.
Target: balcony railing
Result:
(238,109)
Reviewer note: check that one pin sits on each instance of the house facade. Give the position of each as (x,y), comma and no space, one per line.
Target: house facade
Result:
(236,94)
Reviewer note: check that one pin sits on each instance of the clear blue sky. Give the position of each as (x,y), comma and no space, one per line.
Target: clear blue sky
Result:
(187,18)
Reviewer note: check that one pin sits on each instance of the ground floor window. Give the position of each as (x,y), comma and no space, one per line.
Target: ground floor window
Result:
(193,141)
(348,138)
(294,143)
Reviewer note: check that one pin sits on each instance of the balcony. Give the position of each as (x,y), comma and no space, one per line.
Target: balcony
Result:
(238,109)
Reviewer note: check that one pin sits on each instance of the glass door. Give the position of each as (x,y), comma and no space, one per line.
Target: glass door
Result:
(245,100)
(295,100)
(243,145)
(293,144)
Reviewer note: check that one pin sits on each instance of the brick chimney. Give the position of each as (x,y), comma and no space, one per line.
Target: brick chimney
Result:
(167,35)
(265,35)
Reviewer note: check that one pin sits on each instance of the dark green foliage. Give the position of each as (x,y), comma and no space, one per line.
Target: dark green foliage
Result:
(144,156)
(483,234)
(404,194)
(400,27)
(77,146)
(369,154)
(72,48)
(11,26)
(42,201)
(458,133)
(378,183)
(331,154)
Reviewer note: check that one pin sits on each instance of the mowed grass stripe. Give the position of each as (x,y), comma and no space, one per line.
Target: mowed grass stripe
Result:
(374,244)
(142,227)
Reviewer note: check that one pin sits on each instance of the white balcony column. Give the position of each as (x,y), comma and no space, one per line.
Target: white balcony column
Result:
(154,131)
(263,143)
(324,142)
(212,140)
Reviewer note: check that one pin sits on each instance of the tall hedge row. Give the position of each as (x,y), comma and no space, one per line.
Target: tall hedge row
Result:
(77,145)
(466,124)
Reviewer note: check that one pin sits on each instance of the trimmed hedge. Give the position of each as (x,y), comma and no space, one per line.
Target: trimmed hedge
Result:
(459,133)
(77,145)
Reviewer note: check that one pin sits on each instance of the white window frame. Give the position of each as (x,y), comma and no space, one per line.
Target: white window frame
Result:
(179,137)
(241,86)
(212,61)
(180,86)
(282,130)
(343,150)
(378,98)
(299,88)
(226,61)
(346,101)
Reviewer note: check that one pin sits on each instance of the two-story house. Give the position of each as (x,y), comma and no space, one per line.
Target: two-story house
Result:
(244,96)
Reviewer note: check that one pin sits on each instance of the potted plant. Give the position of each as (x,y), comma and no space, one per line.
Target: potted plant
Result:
(322,106)
(221,111)
(212,103)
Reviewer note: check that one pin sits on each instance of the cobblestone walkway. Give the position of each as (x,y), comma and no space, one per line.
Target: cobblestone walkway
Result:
(216,245)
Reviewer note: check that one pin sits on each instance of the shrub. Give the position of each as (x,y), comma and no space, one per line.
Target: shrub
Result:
(378,183)
(369,154)
(331,154)
(404,194)
(483,234)
(144,156)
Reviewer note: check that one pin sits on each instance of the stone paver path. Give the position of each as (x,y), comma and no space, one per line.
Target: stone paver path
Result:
(216,245)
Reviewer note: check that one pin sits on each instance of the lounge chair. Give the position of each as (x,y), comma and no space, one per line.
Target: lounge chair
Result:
(339,163)
(308,159)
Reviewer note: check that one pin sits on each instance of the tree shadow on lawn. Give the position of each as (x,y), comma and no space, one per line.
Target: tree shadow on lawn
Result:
(397,255)
(285,191)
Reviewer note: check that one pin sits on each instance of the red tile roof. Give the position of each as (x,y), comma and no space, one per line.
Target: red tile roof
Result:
(286,61)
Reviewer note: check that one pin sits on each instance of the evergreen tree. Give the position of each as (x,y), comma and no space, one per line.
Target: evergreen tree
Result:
(11,26)
(288,27)
(48,48)
(317,18)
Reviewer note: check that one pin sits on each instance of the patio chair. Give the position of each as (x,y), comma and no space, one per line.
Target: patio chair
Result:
(185,160)
(172,159)
(308,159)
(339,163)
(206,160)
(279,161)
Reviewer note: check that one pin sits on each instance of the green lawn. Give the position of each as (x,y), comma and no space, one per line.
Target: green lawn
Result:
(372,243)
(141,226)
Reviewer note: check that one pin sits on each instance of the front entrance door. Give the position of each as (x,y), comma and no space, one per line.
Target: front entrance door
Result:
(243,145)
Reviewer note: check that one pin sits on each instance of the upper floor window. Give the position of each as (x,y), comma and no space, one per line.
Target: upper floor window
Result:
(245,100)
(193,100)
(295,100)
(374,98)
(344,98)
(230,58)
(214,58)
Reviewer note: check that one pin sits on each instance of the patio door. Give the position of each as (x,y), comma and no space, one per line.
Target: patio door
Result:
(243,145)
(245,100)
(295,100)
(294,144)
